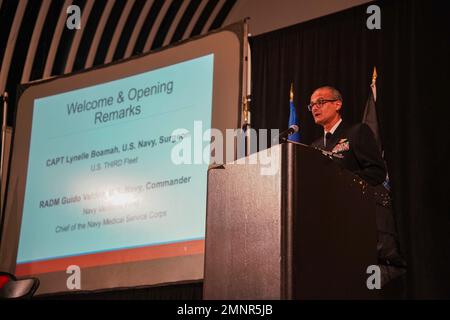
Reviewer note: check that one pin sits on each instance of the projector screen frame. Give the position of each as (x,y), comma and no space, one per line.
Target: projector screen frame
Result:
(14,205)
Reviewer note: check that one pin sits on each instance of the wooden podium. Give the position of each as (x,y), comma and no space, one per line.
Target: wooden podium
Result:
(306,232)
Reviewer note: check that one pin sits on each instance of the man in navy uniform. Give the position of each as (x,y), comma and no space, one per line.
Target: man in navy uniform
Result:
(355,146)
(355,149)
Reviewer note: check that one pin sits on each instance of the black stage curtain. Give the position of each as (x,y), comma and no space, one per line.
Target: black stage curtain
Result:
(411,53)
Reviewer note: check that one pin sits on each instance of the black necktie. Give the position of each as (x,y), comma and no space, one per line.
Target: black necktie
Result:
(327,138)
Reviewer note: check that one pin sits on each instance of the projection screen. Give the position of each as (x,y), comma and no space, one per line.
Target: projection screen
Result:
(100,185)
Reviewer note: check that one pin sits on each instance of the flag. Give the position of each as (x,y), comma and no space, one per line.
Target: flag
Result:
(370,118)
(293,120)
(370,113)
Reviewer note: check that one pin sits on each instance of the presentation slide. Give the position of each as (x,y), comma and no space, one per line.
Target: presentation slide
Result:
(101,180)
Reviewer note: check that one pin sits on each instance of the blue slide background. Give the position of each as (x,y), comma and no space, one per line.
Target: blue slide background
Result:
(181,208)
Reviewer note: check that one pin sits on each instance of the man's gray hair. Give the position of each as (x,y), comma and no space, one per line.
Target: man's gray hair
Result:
(335,92)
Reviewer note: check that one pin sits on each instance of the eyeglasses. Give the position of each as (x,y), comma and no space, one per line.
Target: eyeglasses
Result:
(319,103)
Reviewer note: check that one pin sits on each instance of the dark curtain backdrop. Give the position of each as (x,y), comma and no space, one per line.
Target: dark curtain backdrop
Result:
(411,53)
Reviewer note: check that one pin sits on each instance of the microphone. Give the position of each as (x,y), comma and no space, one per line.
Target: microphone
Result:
(282,137)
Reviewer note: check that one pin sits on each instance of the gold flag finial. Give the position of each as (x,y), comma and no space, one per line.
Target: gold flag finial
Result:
(373,85)
(292,91)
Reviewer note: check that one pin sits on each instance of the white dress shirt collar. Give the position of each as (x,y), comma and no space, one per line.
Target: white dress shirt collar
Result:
(331,131)
(334,127)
